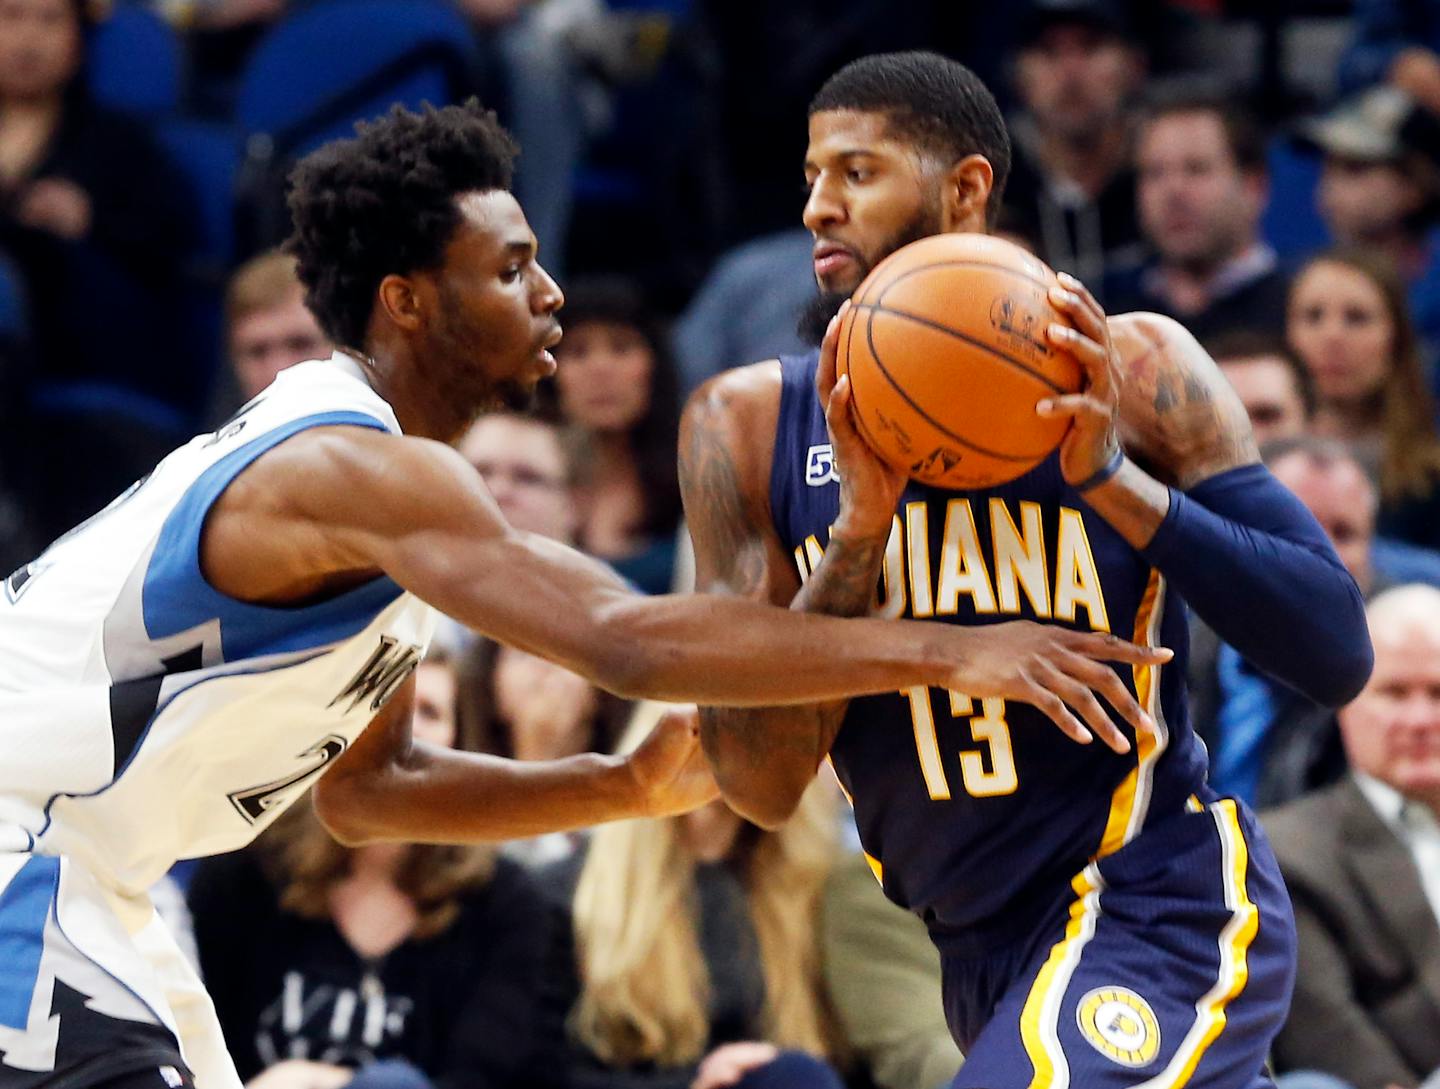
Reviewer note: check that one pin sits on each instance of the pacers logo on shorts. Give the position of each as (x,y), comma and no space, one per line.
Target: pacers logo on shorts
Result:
(1119,1024)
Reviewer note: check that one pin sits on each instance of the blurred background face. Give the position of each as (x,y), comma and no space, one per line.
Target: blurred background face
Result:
(1272,398)
(266,341)
(1362,201)
(1342,499)
(40,47)
(1392,729)
(549,711)
(1196,206)
(434,718)
(604,376)
(1339,326)
(1075,80)
(524,465)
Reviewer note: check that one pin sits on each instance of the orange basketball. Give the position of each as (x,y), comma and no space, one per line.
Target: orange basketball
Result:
(945,346)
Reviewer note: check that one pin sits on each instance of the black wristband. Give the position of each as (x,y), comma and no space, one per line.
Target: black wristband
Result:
(1104,473)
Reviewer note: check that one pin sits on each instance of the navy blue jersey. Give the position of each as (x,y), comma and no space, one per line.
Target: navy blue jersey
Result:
(977,814)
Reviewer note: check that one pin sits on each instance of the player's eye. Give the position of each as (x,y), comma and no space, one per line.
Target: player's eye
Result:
(510,273)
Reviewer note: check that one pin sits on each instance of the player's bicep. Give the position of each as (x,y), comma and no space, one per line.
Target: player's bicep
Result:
(1177,410)
(723,482)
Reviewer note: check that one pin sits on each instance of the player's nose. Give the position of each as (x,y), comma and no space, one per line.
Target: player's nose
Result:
(822,208)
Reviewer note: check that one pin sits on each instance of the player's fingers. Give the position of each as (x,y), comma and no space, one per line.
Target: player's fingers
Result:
(1111,648)
(1089,301)
(1085,317)
(825,373)
(1079,406)
(1090,353)
(1107,683)
(1080,697)
(1053,708)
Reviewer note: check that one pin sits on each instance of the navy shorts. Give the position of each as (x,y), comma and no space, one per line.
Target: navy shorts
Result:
(1171,966)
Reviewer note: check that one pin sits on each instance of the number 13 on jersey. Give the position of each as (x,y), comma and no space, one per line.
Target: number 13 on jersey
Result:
(989,728)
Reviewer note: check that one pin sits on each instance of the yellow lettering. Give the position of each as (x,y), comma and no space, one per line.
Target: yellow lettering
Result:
(917,532)
(893,605)
(1077,580)
(1020,557)
(962,567)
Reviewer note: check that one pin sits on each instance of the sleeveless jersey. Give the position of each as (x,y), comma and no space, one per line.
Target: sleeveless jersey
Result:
(977,814)
(144,716)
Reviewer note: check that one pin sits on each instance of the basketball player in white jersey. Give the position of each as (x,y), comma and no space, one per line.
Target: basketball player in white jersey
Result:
(176,670)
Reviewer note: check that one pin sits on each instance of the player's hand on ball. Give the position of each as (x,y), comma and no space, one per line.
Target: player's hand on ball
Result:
(670,769)
(1058,671)
(869,489)
(1093,438)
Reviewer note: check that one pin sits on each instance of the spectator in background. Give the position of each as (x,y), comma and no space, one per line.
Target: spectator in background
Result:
(267,324)
(617,390)
(527,468)
(1380,189)
(1273,385)
(220,35)
(1347,321)
(693,952)
(1202,188)
(1362,862)
(1267,743)
(1395,42)
(1072,179)
(389,966)
(97,222)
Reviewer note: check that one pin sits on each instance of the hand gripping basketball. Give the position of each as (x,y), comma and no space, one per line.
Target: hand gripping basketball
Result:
(1059,671)
(1092,441)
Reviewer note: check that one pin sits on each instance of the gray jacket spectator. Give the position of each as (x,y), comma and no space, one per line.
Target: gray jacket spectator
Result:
(1362,862)
(883,976)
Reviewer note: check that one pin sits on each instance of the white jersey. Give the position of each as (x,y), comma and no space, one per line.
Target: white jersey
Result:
(145,717)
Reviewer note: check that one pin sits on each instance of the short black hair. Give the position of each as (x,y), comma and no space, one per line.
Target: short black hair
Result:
(931,100)
(1243,132)
(383,202)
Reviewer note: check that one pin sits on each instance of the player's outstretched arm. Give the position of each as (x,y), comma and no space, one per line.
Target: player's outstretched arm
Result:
(389,786)
(335,505)
(1232,540)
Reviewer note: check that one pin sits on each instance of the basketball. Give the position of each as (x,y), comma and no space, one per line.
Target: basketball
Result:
(945,346)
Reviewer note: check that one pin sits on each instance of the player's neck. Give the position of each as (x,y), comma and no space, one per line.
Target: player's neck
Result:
(421,408)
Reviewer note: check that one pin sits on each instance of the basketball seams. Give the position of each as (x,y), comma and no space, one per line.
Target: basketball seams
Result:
(919,411)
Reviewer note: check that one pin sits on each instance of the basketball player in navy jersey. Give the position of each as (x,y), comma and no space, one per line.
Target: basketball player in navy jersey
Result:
(1104,919)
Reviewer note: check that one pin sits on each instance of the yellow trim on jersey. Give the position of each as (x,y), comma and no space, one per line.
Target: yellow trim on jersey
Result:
(1120,824)
(1235,941)
(875,867)
(1041,1015)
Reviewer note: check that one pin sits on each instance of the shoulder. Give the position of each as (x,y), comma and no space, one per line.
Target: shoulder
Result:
(738,409)
(1178,413)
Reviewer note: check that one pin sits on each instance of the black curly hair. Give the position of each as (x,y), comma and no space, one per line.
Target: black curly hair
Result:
(383,202)
(934,101)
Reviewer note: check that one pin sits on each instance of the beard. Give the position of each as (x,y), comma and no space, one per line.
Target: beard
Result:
(814,317)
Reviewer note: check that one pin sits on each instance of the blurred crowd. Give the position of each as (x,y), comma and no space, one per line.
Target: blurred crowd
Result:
(1268,174)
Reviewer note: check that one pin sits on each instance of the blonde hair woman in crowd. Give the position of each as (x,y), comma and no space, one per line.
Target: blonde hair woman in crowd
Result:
(696,950)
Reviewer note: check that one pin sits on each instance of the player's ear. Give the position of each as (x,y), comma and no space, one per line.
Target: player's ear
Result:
(400,302)
(966,194)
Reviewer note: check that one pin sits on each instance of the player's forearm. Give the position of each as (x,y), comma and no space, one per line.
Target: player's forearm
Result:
(764,757)
(1248,557)
(447,796)
(726,651)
